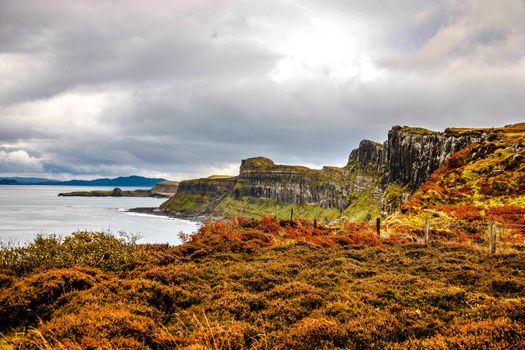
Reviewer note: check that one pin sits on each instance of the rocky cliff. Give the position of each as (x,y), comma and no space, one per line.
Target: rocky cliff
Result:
(376,179)
(262,178)
(482,182)
(411,155)
(369,155)
(199,196)
(165,188)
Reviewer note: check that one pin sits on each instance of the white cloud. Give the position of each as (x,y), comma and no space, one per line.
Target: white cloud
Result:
(19,160)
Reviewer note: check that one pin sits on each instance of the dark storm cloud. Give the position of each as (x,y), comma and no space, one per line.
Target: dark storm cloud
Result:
(183,89)
(77,45)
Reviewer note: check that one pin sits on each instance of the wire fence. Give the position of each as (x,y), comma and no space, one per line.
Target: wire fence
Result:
(493,233)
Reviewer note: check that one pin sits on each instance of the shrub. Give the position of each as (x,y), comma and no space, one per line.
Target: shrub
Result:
(95,249)
(315,333)
(96,326)
(35,296)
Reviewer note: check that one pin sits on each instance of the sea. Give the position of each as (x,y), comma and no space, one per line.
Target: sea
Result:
(26,211)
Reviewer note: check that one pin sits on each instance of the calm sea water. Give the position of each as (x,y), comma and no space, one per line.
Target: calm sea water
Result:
(26,211)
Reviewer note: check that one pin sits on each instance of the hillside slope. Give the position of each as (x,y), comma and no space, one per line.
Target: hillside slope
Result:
(482,182)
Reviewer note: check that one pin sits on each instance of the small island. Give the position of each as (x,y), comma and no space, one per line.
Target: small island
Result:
(164,189)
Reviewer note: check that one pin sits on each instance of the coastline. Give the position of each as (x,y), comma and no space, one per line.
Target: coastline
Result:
(160,212)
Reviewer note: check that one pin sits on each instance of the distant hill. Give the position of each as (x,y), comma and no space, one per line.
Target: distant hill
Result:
(27,180)
(8,182)
(127,181)
(123,181)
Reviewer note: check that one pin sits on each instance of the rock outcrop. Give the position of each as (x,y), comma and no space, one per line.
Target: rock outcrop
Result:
(411,155)
(210,186)
(370,155)
(165,188)
(199,196)
(261,178)
(484,181)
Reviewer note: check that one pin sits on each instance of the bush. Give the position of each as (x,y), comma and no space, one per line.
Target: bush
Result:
(95,327)
(34,297)
(315,333)
(94,249)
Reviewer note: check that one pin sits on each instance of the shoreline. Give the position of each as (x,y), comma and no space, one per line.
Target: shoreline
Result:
(160,212)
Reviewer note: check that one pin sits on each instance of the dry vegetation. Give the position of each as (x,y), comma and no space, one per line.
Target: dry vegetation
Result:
(261,284)
(478,184)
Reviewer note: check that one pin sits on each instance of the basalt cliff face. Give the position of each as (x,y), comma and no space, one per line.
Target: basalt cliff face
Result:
(376,179)
(262,178)
(411,155)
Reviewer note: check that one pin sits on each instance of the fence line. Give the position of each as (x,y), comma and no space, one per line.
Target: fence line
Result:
(489,229)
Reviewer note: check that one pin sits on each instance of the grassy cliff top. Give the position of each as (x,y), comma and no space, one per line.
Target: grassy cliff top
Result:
(210,179)
(266,164)
(258,162)
(415,130)
(517,128)
(168,183)
(214,177)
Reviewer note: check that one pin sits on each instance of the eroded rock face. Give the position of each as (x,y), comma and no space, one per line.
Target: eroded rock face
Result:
(213,186)
(408,157)
(261,178)
(369,155)
(412,155)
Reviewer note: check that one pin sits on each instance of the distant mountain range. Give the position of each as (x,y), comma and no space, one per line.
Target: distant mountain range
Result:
(25,180)
(123,181)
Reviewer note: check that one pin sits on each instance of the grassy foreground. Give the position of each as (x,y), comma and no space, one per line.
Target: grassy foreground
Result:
(260,284)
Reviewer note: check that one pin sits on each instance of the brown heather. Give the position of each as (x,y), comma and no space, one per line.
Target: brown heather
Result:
(261,284)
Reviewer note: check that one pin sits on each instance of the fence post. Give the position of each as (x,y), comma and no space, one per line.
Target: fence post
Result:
(492,237)
(291,214)
(378,227)
(427,229)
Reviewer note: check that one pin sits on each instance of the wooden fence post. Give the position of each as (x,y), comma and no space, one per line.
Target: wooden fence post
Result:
(427,229)
(291,214)
(492,240)
(378,227)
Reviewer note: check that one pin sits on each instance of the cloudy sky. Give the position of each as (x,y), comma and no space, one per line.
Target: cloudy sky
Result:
(183,89)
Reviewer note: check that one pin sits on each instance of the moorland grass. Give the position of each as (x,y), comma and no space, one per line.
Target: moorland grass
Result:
(261,284)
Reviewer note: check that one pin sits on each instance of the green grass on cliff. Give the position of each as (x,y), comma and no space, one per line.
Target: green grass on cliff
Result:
(363,208)
(257,207)
(418,130)
(246,284)
(188,203)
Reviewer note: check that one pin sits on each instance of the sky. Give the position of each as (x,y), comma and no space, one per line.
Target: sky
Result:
(183,89)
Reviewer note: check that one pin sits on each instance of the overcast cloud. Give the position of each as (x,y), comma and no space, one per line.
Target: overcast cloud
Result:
(183,89)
